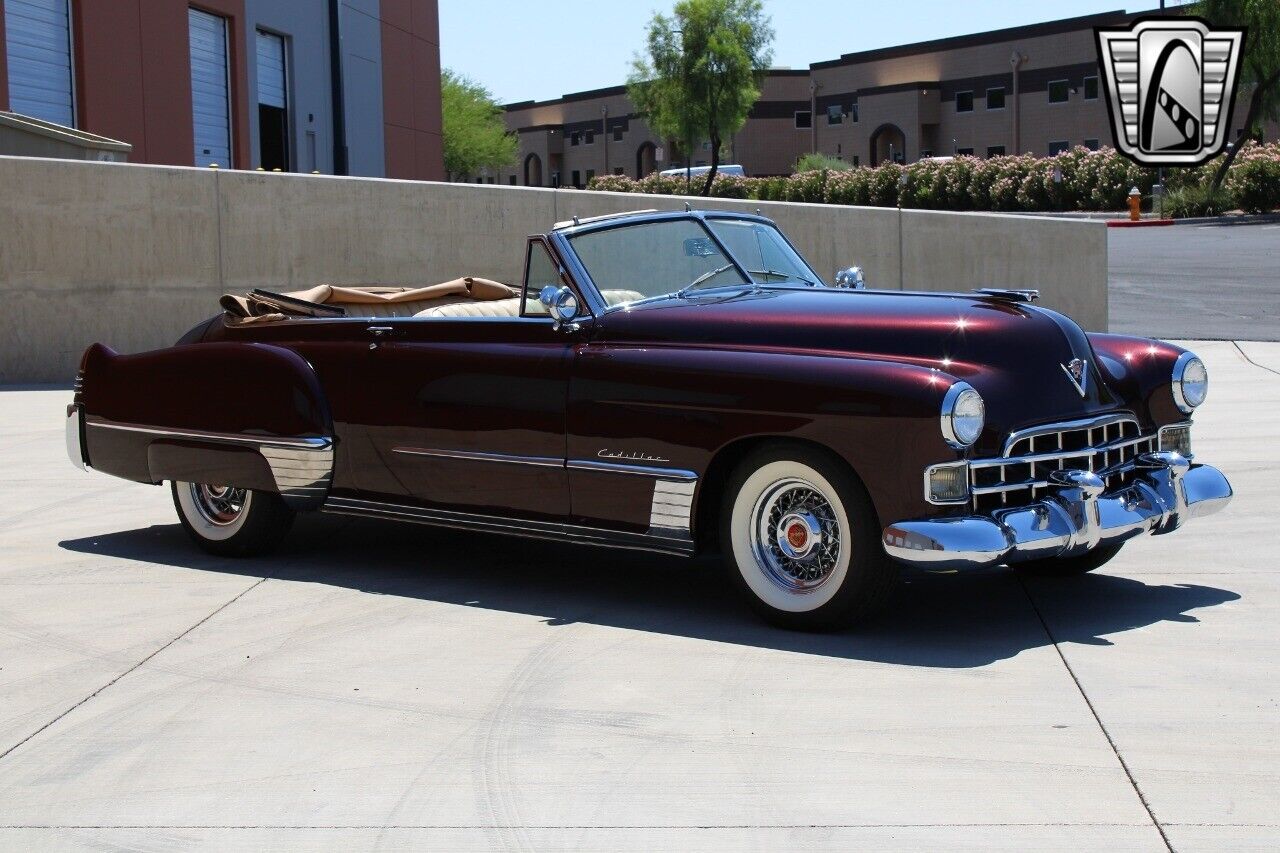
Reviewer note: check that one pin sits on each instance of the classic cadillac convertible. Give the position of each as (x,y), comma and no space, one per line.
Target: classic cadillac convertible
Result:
(671,382)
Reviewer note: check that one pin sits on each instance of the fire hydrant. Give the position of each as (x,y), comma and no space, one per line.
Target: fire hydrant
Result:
(1135,205)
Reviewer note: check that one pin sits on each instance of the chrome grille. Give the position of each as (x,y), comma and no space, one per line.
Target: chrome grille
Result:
(1101,445)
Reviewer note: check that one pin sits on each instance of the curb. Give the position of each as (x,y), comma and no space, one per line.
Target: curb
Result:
(1141,223)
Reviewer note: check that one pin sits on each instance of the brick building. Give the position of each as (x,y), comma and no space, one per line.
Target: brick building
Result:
(336,86)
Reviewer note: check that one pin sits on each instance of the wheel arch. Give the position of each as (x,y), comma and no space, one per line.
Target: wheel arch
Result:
(726,459)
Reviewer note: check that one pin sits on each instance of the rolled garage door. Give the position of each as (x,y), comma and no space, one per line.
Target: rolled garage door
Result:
(38,43)
(210,88)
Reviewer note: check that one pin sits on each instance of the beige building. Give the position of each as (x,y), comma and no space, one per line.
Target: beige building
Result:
(1033,90)
(568,141)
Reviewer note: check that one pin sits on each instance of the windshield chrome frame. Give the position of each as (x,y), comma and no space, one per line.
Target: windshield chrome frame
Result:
(560,238)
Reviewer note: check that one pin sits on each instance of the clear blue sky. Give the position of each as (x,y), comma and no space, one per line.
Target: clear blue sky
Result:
(524,49)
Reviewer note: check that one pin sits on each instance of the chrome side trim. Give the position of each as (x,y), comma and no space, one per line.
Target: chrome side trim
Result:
(228,437)
(476,456)
(640,470)
(672,508)
(301,467)
(665,542)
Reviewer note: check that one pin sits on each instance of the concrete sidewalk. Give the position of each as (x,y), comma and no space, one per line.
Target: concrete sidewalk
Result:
(378,686)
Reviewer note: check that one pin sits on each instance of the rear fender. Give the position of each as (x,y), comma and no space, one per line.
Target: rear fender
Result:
(245,415)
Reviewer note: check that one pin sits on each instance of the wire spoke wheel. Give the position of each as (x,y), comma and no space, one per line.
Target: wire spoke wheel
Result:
(797,537)
(218,505)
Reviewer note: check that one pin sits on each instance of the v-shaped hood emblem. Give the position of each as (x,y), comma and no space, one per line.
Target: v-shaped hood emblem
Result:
(1077,371)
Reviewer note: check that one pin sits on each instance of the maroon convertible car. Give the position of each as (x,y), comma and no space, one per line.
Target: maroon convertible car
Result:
(671,382)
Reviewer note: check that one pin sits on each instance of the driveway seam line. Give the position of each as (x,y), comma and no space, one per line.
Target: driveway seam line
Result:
(1096,717)
(1246,357)
(206,618)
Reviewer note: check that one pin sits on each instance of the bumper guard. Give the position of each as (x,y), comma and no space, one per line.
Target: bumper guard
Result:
(1168,492)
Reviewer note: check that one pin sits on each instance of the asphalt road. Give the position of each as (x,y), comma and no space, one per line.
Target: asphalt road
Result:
(1219,282)
(377,686)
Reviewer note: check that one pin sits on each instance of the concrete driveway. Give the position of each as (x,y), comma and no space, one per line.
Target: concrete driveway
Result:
(377,686)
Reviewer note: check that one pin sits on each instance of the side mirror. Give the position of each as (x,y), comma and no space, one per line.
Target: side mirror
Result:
(851,279)
(560,303)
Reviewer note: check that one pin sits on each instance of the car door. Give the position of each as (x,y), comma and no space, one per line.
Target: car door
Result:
(467,413)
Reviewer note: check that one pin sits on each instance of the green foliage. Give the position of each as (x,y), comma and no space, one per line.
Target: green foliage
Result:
(475,135)
(1197,200)
(701,76)
(1254,181)
(1078,179)
(1261,60)
(818,162)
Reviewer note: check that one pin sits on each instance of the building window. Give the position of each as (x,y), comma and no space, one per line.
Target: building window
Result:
(591,173)
(38,38)
(1091,144)
(964,152)
(575,138)
(964,102)
(1058,147)
(835,114)
(853,113)
(617,133)
(995,99)
(1091,88)
(995,150)
(1059,91)
(618,170)
(804,120)
(590,137)
(577,179)
(511,180)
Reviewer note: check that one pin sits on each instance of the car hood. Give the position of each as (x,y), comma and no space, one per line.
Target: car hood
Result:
(1014,353)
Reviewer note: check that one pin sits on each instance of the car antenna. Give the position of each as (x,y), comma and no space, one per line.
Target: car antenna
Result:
(688,208)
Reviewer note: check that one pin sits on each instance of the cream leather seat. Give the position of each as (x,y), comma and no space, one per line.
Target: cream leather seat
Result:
(473,308)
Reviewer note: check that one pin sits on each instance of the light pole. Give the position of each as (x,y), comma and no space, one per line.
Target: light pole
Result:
(604,127)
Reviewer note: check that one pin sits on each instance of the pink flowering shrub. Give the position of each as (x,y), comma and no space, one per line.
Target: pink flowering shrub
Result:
(1254,179)
(1078,179)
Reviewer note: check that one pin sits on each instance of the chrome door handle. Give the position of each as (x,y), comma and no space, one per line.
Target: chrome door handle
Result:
(381,331)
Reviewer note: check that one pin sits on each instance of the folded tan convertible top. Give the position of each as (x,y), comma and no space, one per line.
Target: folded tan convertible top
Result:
(369,300)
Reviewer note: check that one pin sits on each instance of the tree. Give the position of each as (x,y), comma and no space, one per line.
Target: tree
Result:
(475,135)
(703,71)
(1260,68)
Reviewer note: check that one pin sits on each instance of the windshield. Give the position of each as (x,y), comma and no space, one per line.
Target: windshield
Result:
(762,250)
(674,257)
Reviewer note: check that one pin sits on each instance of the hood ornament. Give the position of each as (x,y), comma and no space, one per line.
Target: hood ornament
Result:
(1077,371)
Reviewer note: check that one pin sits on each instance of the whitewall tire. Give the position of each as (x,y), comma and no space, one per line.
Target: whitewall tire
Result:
(231,522)
(802,541)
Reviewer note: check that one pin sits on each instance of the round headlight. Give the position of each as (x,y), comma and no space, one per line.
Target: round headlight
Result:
(963,415)
(1190,382)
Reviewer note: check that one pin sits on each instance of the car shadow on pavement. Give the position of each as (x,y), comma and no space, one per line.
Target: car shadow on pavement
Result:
(948,621)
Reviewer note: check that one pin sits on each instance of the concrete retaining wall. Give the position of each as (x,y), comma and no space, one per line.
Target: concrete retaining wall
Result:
(134,255)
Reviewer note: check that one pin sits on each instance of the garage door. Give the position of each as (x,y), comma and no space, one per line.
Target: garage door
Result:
(38,42)
(210,88)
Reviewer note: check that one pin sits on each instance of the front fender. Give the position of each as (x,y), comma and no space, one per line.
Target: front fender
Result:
(685,405)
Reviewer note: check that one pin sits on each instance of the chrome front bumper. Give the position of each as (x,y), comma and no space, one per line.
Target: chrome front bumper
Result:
(1167,492)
